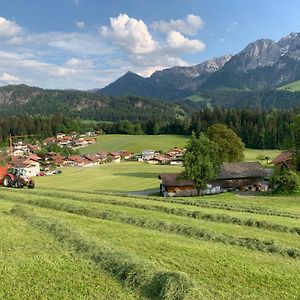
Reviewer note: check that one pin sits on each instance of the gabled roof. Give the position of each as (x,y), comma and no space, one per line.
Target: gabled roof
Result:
(282,157)
(175,179)
(241,170)
(34,157)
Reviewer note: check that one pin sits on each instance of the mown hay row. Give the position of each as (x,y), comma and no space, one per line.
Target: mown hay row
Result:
(135,273)
(220,218)
(168,227)
(261,210)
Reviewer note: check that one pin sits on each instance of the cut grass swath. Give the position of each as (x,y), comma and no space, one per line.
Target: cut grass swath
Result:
(222,218)
(159,225)
(138,274)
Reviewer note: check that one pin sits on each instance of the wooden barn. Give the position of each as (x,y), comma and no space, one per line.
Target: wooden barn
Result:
(172,185)
(284,160)
(242,176)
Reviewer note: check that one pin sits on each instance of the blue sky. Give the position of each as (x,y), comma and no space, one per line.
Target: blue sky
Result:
(87,44)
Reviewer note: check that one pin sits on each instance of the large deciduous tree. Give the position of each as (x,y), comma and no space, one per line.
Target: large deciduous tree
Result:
(201,160)
(230,146)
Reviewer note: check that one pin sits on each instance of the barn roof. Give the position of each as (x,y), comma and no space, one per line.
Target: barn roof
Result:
(241,170)
(174,179)
(282,157)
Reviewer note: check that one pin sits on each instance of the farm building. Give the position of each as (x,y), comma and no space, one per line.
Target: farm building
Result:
(242,176)
(284,159)
(172,185)
(31,166)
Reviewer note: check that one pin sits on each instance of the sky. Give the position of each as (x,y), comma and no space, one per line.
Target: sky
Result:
(87,44)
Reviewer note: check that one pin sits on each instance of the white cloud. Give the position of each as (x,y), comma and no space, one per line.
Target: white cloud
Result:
(177,41)
(131,34)
(8,78)
(221,40)
(80,24)
(190,25)
(232,27)
(77,2)
(9,28)
(74,42)
(79,63)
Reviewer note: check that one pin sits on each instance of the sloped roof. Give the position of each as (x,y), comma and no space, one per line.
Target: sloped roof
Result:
(174,179)
(282,157)
(241,170)
(228,171)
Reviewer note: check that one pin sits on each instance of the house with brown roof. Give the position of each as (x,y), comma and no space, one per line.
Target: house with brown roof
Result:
(241,175)
(31,167)
(285,159)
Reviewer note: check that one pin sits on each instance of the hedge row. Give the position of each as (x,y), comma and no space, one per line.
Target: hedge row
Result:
(135,273)
(159,225)
(187,213)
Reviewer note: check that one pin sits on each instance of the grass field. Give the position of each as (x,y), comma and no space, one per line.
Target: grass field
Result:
(138,143)
(76,237)
(292,87)
(135,143)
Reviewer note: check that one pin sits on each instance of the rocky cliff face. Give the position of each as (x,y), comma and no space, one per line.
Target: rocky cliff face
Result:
(167,84)
(263,64)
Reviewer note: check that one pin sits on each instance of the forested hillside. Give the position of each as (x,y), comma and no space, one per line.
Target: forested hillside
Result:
(22,99)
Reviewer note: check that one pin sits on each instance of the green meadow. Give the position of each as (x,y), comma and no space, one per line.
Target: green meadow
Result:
(292,87)
(135,143)
(83,235)
(138,143)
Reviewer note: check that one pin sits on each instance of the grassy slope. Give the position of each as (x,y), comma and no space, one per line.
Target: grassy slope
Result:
(138,143)
(135,143)
(221,271)
(33,264)
(127,176)
(293,87)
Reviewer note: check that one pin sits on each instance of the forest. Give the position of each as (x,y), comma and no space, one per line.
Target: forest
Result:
(257,129)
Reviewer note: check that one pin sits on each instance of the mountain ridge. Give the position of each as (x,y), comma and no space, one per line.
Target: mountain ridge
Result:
(262,64)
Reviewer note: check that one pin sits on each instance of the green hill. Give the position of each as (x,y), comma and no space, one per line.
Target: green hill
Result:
(135,143)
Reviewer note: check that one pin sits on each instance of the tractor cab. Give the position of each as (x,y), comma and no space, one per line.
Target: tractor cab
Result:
(17,171)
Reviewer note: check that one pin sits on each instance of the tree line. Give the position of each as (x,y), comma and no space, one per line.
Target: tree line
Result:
(257,129)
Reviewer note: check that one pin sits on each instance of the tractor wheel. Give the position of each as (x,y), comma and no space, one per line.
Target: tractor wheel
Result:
(31,185)
(7,181)
(19,184)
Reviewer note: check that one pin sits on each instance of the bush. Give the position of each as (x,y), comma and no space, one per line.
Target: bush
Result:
(285,182)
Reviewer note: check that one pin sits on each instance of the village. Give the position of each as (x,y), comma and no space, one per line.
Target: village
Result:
(242,176)
(36,162)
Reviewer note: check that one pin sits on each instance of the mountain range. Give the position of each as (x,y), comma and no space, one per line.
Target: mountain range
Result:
(262,65)
(264,75)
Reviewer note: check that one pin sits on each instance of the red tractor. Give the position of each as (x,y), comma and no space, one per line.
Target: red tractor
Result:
(15,177)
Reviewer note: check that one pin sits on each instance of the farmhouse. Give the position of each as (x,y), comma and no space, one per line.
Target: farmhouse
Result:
(31,166)
(242,176)
(284,160)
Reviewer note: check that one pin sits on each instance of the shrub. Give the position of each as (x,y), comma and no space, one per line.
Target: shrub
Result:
(285,182)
